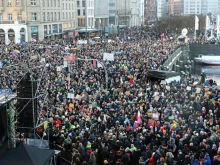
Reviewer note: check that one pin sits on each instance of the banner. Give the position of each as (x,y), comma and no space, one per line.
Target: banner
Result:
(207,27)
(80,42)
(108,57)
(196,23)
(217,25)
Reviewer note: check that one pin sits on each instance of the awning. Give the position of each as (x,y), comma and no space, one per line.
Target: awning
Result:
(87,30)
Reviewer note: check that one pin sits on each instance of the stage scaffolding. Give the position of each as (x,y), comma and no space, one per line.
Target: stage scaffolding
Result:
(12,112)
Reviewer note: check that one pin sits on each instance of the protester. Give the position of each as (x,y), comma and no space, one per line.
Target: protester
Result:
(116,125)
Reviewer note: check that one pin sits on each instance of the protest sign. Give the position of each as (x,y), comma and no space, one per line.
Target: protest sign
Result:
(108,57)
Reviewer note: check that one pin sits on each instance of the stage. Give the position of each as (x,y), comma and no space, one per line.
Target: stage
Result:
(5,98)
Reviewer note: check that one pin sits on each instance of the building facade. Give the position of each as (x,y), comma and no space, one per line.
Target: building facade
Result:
(209,6)
(150,11)
(35,19)
(101,13)
(200,7)
(176,7)
(129,12)
(112,12)
(85,14)
(162,8)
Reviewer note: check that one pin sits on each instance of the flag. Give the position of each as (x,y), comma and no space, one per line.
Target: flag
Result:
(196,23)
(33,39)
(207,27)
(139,118)
(8,42)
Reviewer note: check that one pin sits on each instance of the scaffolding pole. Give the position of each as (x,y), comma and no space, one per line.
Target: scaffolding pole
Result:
(12,134)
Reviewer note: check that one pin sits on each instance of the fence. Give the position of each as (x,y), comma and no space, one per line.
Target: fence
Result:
(66,155)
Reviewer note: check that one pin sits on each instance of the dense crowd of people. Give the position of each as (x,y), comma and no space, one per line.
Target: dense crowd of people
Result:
(135,120)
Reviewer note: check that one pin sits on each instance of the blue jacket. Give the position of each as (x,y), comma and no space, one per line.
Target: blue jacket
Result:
(207,160)
(196,162)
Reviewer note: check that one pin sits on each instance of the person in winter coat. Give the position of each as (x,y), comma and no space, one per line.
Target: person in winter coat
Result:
(196,162)
(207,160)
(162,161)
(169,158)
(92,159)
(151,161)
(180,158)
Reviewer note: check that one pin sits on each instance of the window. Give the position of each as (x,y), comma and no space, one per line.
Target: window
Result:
(17,3)
(78,11)
(58,3)
(33,16)
(43,3)
(84,12)
(63,15)
(66,15)
(81,21)
(44,16)
(45,29)
(48,16)
(1,18)
(33,2)
(9,2)
(51,15)
(19,17)
(58,15)
(78,4)
(10,17)
(55,16)
(83,3)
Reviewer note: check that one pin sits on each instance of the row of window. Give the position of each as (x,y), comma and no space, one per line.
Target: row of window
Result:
(51,3)
(90,3)
(20,2)
(49,16)
(68,6)
(53,16)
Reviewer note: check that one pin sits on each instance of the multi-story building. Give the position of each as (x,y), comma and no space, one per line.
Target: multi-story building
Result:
(209,6)
(35,19)
(192,7)
(200,6)
(112,15)
(162,8)
(141,12)
(175,7)
(101,13)
(150,9)
(85,14)
(128,12)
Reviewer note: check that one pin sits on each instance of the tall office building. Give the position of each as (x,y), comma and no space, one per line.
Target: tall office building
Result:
(162,8)
(85,14)
(101,13)
(200,7)
(112,14)
(150,10)
(128,12)
(176,7)
(35,19)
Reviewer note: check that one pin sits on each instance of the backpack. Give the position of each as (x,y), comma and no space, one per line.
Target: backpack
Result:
(169,160)
(157,156)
